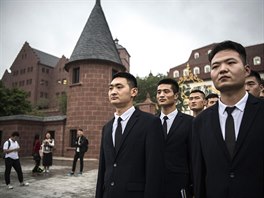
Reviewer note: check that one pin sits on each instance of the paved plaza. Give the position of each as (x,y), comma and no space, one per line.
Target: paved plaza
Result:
(54,184)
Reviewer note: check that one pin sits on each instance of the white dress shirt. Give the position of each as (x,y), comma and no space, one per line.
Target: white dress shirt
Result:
(13,145)
(170,119)
(237,114)
(125,117)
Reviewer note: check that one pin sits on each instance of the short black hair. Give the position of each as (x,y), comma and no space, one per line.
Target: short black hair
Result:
(132,81)
(172,82)
(256,75)
(212,95)
(229,45)
(15,134)
(197,91)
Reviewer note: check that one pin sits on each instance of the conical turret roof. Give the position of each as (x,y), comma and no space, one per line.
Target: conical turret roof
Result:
(96,41)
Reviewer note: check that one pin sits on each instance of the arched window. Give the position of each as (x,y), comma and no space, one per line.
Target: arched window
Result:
(196,70)
(207,68)
(257,60)
(176,74)
(185,72)
(196,55)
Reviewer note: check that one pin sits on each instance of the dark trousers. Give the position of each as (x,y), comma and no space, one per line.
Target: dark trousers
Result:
(15,163)
(37,159)
(76,156)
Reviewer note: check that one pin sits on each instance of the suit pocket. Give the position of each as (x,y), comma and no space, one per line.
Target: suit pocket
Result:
(136,186)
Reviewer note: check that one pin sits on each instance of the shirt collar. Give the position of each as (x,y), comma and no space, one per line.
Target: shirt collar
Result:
(126,114)
(240,105)
(170,115)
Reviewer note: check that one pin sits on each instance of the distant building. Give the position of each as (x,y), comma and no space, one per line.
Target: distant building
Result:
(200,66)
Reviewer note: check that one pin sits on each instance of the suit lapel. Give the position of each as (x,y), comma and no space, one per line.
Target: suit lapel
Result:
(132,120)
(249,115)
(216,129)
(176,123)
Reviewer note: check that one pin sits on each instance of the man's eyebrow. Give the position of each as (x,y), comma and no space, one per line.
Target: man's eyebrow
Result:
(225,60)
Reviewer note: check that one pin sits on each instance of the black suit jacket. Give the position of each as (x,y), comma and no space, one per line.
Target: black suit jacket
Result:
(215,173)
(83,144)
(178,156)
(136,170)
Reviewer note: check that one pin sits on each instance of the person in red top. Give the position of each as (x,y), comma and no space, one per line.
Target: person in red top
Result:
(36,156)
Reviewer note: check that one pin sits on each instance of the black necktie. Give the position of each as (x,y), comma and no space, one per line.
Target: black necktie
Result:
(165,118)
(230,137)
(118,134)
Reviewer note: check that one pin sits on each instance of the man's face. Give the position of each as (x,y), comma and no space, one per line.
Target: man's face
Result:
(211,101)
(228,71)
(120,94)
(196,101)
(253,86)
(79,133)
(165,96)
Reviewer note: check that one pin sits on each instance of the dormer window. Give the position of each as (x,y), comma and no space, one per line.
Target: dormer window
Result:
(257,60)
(176,74)
(196,55)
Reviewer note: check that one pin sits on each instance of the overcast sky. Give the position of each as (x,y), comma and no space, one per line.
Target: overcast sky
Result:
(158,34)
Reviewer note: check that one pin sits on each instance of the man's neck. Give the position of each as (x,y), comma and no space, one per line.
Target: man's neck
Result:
(120,111)
(231,98)
(168,109)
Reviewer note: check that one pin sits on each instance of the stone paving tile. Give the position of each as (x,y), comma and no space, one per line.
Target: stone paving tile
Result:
(54,184)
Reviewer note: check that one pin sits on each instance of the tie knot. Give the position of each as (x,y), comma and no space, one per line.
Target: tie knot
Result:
(165,118)
(229,110)
(119,119)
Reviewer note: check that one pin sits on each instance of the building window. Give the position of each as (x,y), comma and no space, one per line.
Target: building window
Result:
(41,94)
(185,72)
(196,55)
(176,74)
(196,70)
(59,81)
(257,60)
(46,95)
(76,75)
(73,136)
(47,71)
(43,70)
(207,68)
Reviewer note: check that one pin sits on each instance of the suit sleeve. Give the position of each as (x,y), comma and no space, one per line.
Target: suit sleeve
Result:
(154,160)
(101,171)
(198,164)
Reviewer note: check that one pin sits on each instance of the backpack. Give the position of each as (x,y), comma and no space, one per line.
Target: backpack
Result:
(9,143)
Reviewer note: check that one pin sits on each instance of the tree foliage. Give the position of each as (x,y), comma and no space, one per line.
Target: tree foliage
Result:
(13,101)
(147,85)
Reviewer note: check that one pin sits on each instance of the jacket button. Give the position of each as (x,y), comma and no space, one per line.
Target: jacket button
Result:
(112,183)
(115,164)
(232,175)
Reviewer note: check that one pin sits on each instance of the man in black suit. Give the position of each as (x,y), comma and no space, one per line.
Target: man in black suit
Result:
(228,138)
(81,146)
(177,134)
(131,160)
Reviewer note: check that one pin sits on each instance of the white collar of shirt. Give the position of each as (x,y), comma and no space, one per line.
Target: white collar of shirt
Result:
(171,116)
(237,114)
(125,117)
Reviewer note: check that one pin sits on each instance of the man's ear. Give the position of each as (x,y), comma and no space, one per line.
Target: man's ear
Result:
(134,91)
(247,70)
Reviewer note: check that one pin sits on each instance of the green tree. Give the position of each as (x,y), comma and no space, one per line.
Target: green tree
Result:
(63,103)
(13,101)
(146,85)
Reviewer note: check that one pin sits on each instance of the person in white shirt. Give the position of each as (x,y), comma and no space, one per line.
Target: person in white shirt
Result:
(11,148)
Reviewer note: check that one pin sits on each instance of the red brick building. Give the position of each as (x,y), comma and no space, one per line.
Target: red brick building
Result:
(84,78)
(200,66)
